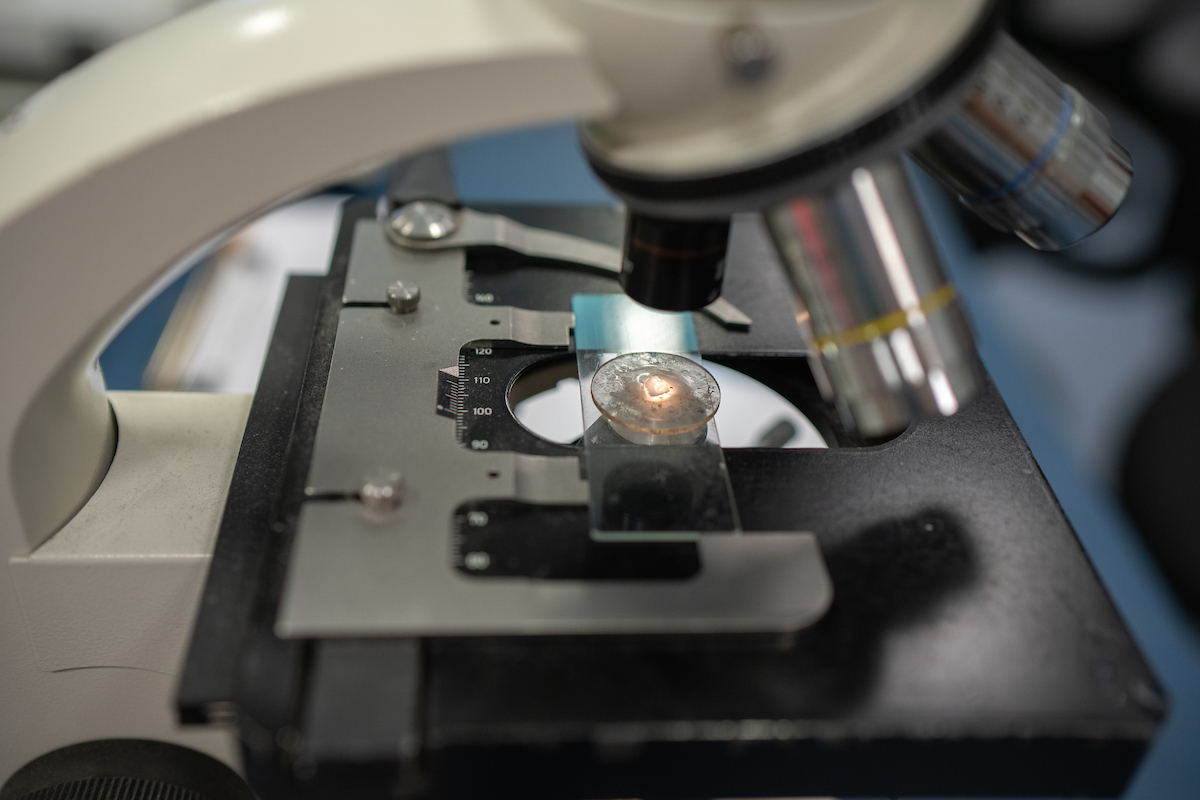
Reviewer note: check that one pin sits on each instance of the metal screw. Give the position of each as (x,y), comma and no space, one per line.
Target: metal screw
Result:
(749,53)
(383,493)
(423,221)
(403,298)
(477,560)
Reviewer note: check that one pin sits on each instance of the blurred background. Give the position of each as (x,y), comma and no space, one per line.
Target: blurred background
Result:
(1094,349)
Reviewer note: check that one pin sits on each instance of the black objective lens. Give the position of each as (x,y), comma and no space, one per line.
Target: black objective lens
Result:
(674,265)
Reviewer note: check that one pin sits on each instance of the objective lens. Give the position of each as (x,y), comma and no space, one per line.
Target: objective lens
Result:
(887,331)
(1029,154)
(674,265)
(656,398)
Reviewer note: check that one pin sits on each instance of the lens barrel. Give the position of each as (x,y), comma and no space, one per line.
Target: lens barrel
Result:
(674,265)
(889,337)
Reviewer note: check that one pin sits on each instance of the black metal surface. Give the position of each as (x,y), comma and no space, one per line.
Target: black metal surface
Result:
(970,650)
(967,632)
(365,701)
(887,767)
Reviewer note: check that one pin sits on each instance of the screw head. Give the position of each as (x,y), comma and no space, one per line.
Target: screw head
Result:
(403,298)
(423,221)
(750,54)
(382,493)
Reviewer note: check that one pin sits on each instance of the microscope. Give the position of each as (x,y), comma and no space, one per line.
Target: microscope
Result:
(373,578)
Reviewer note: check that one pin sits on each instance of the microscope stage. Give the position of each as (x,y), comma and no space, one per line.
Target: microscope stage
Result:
(969,649)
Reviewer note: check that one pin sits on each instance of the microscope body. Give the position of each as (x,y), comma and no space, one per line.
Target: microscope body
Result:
(110,505)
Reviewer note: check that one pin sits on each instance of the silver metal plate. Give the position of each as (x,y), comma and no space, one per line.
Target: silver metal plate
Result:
(476,229)
(352,575)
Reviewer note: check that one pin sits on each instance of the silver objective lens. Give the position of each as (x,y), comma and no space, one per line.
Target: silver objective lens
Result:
(1029,154)
(890,339)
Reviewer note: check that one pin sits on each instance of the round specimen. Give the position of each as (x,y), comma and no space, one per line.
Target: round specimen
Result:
(655,393)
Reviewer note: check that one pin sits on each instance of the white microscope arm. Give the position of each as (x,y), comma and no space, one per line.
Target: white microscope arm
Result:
(120,168)
(108,177)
